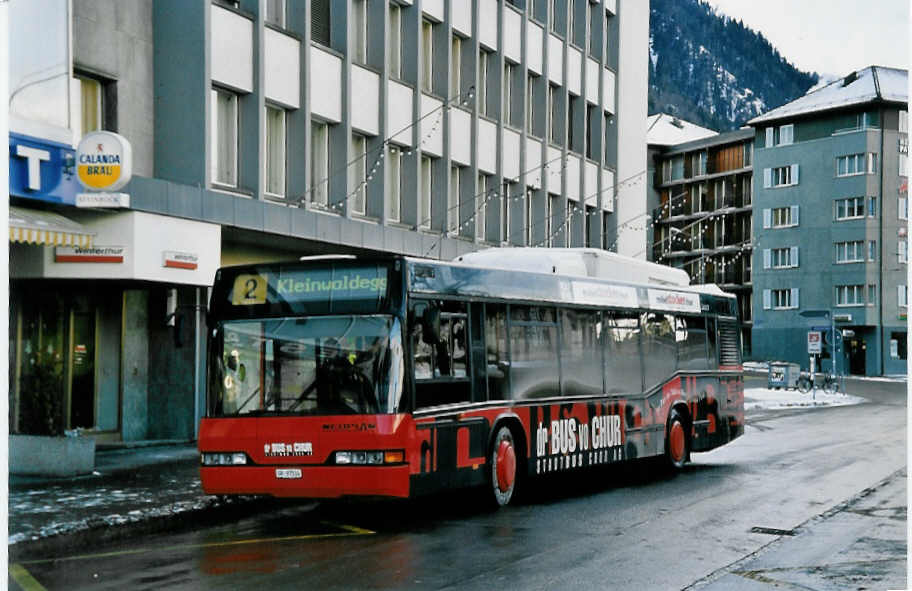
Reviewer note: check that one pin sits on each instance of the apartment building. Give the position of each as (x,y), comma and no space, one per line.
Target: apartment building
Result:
(271,129)
(701,211)
(831,242)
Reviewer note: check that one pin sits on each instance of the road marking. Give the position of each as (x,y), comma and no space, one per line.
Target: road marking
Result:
(24,578)
(349,530)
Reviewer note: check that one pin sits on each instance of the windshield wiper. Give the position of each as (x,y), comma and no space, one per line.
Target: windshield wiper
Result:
(249,398)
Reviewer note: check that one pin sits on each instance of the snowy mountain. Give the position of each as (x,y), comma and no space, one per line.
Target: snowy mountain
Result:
(712,70)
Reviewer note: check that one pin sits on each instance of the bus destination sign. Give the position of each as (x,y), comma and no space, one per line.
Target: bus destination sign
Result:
(310,285)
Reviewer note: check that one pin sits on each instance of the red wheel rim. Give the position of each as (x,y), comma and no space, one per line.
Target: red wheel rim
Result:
(506,465)
(676,440)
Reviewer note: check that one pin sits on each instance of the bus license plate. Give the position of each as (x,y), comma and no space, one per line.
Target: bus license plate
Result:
(288,473)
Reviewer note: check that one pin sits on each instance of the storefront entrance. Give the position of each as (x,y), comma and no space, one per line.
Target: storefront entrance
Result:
(855,352)
(54,360)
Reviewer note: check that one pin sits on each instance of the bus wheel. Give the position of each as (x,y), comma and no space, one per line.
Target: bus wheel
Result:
(677,444)
(503,472)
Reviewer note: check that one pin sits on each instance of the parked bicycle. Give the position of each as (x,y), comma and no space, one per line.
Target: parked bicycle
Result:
(829,383)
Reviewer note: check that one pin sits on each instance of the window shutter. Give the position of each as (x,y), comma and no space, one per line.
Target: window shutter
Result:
(766,299)
(794,174)
(767,217)
(794,256)
(767,178)
(795,215)
(794,297)
(766,258)
(319,21)
(770,137)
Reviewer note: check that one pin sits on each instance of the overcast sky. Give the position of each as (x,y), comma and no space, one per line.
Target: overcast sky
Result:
(829,36)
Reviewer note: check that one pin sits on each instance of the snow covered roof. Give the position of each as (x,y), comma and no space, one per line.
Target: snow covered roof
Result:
(666,130)
(864,86)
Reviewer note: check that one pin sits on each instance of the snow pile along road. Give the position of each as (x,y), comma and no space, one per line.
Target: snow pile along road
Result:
(766,399)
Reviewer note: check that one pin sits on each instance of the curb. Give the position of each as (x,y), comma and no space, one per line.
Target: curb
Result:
(176,517)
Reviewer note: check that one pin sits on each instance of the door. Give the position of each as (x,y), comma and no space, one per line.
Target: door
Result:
(82,385)
(856,350)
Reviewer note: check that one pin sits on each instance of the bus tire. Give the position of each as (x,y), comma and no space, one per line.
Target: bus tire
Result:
(503,472)
(677,441)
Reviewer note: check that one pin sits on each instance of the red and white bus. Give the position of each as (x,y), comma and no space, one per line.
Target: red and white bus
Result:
(399,376)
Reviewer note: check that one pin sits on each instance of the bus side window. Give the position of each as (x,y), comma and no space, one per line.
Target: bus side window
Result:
(496,353)
(623,371)
(690,335)
(440,366)
(659,348)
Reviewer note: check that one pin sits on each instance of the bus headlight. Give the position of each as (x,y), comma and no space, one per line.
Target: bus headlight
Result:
(369,457)
(224,459)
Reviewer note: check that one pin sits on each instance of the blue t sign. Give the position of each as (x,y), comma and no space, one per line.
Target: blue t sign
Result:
(42,169)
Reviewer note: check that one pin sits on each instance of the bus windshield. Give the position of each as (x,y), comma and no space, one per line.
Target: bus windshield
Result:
(318,365)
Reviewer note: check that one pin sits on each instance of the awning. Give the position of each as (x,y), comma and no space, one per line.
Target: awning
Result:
(34,226)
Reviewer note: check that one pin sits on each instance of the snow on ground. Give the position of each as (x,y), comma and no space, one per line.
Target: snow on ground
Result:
(767,399)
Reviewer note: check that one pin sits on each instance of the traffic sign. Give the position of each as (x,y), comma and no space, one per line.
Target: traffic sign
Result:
(815,340)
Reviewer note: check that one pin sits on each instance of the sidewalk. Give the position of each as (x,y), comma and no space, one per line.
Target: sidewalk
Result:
(129,485)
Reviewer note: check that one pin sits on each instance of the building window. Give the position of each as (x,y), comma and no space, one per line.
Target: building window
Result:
(481,206)
(425,192)
(902,296)
(527,217)
(872,207)
(530,105)
(357,174)
(786,134)
(320,25)
(850,252)
(782,176)
(901,347)
(780,299)
(850,165)
(93,105)
(851,208)
(549,214)
(427,56)
(556,17)
(224,137)
(872,294)
(456,66)
(574,141)
(902,162)
(903,253)
(453,200)
(902,208)
(782,217)
(395,41)
(509,116)
(393,184)
(505,198)
(872,250)
(485,65)
(319,163)
(872,163)
(553,109)
(850,295)
(359,31)
(275,13)
(275,151)
(780,258)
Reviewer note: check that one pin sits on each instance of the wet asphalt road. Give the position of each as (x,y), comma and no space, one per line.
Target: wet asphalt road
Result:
(610,529)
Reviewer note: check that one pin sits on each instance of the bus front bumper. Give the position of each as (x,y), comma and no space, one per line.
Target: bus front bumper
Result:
(314,482)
